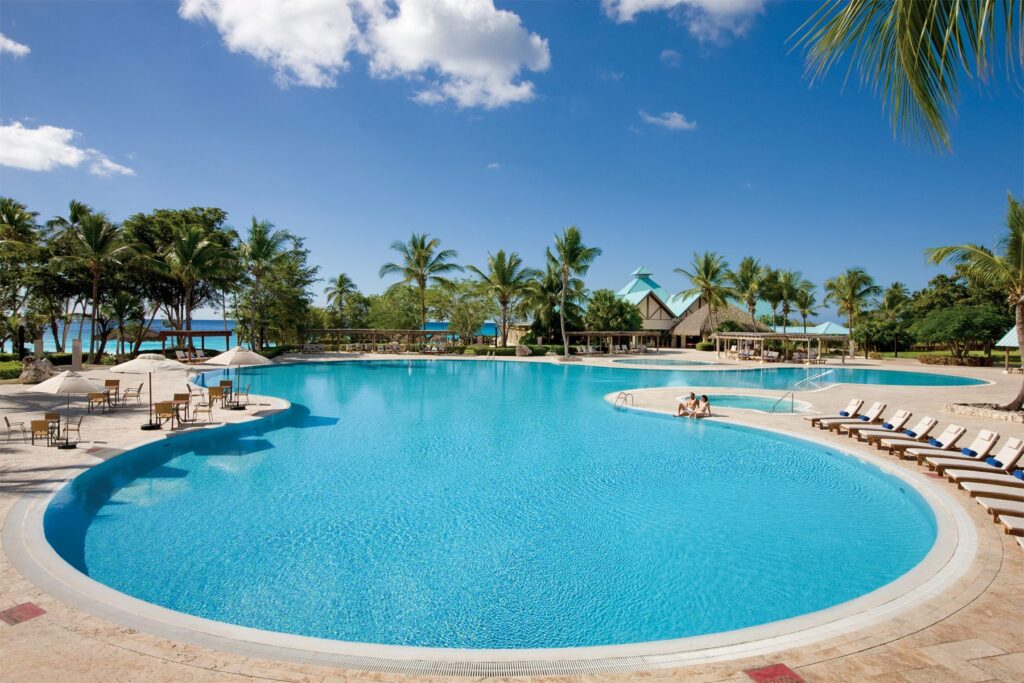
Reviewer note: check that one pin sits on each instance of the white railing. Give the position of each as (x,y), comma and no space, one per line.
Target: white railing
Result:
(792,401)
(622,398)
(814,382)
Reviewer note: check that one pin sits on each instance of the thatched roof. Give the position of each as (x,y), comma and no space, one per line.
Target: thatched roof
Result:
(696,323)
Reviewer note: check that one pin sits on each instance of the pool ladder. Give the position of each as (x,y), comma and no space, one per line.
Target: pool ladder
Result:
(792,401)
(812,383)
(622,398)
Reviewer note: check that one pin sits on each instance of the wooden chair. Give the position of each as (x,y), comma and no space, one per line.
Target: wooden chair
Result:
(15,428)
(184,397)
(74,427)
(41,429)
(165,412)
(130,393)
(216,394)
(53,419)
(98,398)
(113,387)
(202,409)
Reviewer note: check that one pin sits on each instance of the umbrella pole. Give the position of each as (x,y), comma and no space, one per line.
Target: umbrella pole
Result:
(150,425)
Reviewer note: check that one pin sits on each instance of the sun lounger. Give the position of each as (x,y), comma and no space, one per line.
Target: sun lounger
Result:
(851,410)
(891,426)
(964,477)
(975,457)
(1002,506)
(994,490)
(870,416)
(1003,461)
(977,451)
(915,434)
(946,440)
(1012,524)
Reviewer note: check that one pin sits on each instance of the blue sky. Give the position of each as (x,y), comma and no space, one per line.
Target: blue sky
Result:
(566,113)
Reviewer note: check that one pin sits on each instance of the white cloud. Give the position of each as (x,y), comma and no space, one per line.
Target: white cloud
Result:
(671,120)
(671,58)
(708,20)
(48,147)
(493,166)
(13,47)
(462,51)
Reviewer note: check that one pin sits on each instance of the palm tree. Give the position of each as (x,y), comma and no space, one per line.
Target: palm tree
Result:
(76,212)
(191,256)
(1002,267)
(573,259)
(96,244)
(745,282)
(849,292)
(543,296)
(341,288)
(423,264)
(791,283)
(506,280)
(806,303)
(770,291)
(18,229)
(891,306)
(708,279)
(264,249)
(913,53)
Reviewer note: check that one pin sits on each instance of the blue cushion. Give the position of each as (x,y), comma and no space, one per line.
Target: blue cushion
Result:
(886,425)
(993,462)
(911,433)
(968,452)
(843,413)
(863,418)
(1019,474)
(935,442)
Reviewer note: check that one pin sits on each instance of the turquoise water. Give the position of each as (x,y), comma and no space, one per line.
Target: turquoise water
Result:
(665,361)
(50,344)
(765,404)
(485,504)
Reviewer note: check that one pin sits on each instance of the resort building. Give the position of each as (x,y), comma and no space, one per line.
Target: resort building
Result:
(682,317)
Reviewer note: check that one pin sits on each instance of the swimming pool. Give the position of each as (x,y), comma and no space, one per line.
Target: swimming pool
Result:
(485,504)
(661,361)
(765,404)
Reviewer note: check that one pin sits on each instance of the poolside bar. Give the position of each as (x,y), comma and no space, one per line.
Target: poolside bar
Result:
(757,339)
(634,336)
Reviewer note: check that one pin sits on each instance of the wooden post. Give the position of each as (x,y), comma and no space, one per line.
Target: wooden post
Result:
(1006,354)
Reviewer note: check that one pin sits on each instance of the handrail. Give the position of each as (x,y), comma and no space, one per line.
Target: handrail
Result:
(792,401)
(624,396)
(812,381)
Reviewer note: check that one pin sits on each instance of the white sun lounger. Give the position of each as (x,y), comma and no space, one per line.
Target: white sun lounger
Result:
(1003,461)
(977,451)
(1000,506)
(870,416)
(893,425)
(994,491)
(916,434)
(852,409)
(1013,524)
(947,439)
(996,476)
(900,443)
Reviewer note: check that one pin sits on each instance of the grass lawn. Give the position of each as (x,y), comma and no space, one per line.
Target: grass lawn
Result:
(997,355)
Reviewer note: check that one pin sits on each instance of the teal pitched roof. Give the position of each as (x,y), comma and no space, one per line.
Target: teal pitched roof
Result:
(1009,340)
(821,328)
(641,285)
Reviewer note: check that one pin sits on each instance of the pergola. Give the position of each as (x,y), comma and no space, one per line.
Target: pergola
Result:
(164,335)
(757,339)
(611,335)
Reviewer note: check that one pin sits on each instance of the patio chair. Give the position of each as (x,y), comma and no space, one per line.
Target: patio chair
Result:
(131,393)
(891,426)
(74,428)
(978,450)
(947,440)
(916,434)
(202,409)
(113,389)
(41,430)
(870,416)
(164,411)
(956,467)
(199,356)
(216,394)
(1012,524)
(851,410)
(98,399)
(15,428)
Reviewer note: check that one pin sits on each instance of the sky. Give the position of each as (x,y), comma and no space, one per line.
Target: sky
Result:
(659,127)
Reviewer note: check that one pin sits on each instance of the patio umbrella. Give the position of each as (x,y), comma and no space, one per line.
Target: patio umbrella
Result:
(238,357)
(68,383)
(148,363)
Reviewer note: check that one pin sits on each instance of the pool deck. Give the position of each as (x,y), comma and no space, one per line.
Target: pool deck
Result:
(972,630)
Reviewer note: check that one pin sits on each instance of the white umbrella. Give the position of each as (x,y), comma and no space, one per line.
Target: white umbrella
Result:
(148,363)
(68,383)
(238,356)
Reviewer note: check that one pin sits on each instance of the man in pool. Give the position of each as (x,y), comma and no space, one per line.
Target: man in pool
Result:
(687,405)
(702,409)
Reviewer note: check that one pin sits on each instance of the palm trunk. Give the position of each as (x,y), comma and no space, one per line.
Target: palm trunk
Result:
(92,317)
(504,325)
(1018,401)
(561,316)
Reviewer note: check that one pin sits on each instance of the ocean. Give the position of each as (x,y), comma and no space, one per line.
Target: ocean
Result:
(212,343)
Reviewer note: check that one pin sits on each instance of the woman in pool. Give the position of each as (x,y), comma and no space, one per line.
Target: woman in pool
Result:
(702,409)
(687,405)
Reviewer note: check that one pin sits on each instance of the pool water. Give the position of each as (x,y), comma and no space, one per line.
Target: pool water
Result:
(766,404)
(485,504)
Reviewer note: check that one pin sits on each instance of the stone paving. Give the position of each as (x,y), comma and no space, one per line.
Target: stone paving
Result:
(974,631)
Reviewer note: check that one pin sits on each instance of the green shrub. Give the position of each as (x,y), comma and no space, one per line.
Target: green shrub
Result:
(967,361)
(8,357)
(10,369)
(705,346)
(485,350)
(60,358)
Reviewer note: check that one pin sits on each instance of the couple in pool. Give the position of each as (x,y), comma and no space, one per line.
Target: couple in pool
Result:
(691,407)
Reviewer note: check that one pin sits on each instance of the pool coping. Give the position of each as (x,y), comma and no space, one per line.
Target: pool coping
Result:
(949,558)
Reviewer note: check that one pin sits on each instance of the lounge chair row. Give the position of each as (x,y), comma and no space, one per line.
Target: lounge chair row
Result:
(189,357)
(995,481)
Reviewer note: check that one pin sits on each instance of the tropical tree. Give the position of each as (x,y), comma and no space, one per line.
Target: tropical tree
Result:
(806,302)
(339,290)
(850,292)
(790,284)
(507,281)
(265,250)
(745,283)
(708,277)
(543,301)
(771,293)
(913,53)
(607,312)
(423,264)
(96,245)
(191,257)
(1003,267)
(573,259)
